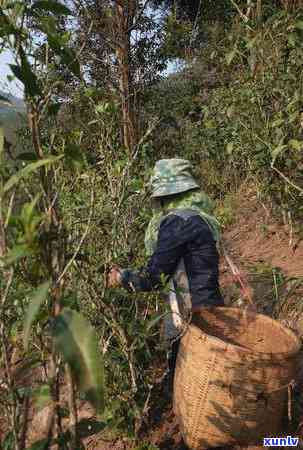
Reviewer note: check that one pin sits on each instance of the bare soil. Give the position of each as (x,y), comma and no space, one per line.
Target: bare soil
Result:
(256,237)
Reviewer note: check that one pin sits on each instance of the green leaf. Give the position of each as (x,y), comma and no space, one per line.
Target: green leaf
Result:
(74,156)
(230,111)
(28,217)
(30,168)
(276,152)
(102,108)
(47,24)
(8,442)
(154,321)
(13,4)
(28,209)
(17,72)
(289,162)
(68,57)
(210,124)
(42,396)
(292,39)
(90,92)
(251,42)
(17,252)
(76,340)
(25,74)
(71,302)
(6,28)
(56,43)
(229,148)
(147,446)
(137,185)
(38,445)
(33,309)
(295,144)
(277,123)
(299,25)
(54,108)
(27,156)
(230,56)
(52,6)
(18,8)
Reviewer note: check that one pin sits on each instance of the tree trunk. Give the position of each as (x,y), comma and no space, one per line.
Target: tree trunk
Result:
(259,11)
(125,13)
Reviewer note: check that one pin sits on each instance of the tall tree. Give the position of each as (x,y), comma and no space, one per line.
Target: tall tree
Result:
(122,53)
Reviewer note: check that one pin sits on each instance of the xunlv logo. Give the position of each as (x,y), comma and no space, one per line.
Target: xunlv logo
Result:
(281,442)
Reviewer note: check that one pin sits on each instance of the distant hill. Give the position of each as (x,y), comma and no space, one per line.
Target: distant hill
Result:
(12,115)
(17,102)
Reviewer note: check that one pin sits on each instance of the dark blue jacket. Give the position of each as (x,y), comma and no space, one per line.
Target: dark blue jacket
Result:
(182,234)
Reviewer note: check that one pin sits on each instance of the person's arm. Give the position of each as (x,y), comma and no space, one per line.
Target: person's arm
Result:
(164,261)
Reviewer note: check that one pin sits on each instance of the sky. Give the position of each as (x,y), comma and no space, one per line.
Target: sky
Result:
(14,87)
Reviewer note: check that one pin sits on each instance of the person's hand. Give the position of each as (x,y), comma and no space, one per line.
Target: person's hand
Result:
(114,277)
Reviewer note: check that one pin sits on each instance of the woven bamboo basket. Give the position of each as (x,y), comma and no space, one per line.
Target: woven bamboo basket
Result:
(233,376)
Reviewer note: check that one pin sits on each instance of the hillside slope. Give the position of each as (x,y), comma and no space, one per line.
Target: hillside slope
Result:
(257,238)
(12,115)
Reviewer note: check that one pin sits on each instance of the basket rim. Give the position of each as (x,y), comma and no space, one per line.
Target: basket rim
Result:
(238,348)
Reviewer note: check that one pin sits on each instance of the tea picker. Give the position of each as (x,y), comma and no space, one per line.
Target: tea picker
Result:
(181,244)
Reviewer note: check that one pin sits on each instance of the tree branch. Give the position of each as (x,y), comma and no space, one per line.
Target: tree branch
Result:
(241,14)
(70,262)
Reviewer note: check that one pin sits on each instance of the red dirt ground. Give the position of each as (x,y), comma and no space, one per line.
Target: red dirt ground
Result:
(256,237)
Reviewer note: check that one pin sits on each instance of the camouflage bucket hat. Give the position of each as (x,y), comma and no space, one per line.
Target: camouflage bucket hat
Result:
(172,176)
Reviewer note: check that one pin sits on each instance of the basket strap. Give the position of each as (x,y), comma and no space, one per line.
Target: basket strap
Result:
(290,386)
(289,405)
